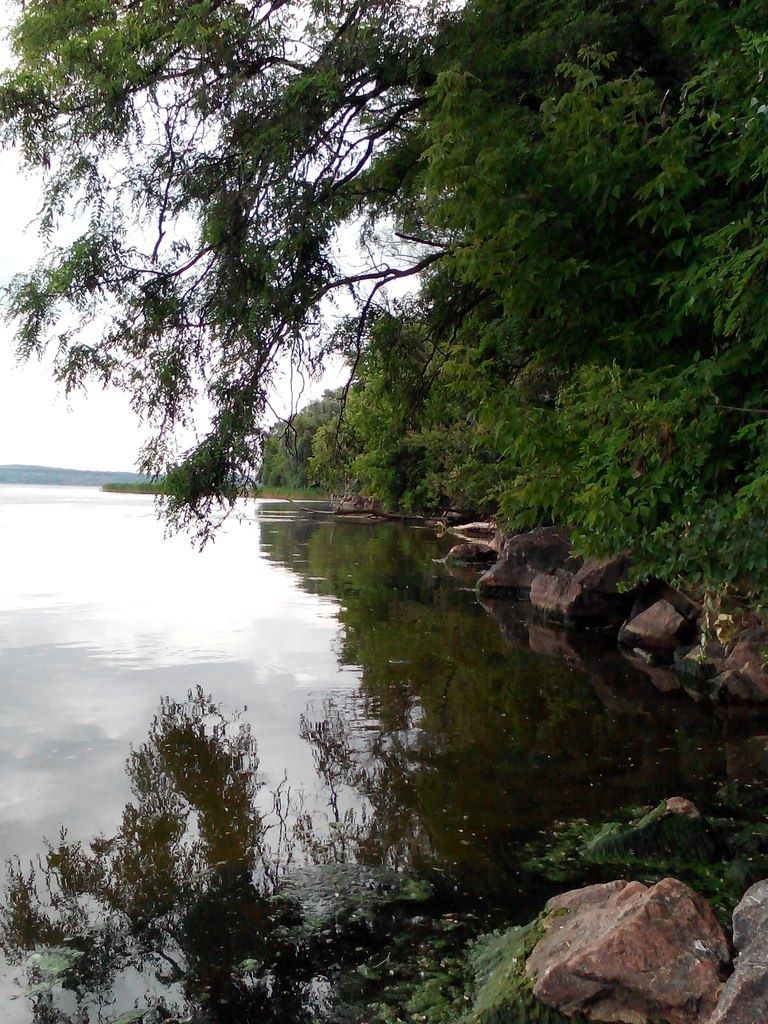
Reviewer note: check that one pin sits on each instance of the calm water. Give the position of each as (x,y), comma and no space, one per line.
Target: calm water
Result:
(302,691)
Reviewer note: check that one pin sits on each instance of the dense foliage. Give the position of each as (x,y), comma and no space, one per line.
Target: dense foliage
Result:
(576,186)
(287,447)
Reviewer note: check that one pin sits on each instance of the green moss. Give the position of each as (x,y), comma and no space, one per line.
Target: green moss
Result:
(658,835)
(422,974)
(503,992)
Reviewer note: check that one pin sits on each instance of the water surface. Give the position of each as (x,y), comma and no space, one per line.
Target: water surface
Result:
(155,698)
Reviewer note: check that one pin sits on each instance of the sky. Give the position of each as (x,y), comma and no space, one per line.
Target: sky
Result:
(39,425)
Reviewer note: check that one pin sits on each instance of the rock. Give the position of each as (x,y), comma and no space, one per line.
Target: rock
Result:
(693,664)
(631,953)
(654,590)
(744,999)
(604,574)
(660,628)
(564,599)
(750,919)
(522,557)
(673,830)
(471,552)
(556,597)
(735,685)
(746,657)
(755,633)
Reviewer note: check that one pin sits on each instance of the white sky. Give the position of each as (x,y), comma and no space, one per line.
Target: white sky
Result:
(38,425)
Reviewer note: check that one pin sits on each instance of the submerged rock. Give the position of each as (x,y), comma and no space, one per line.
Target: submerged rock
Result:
(472,552)
(630,953)
(744,999)
(673,830)
(333,896)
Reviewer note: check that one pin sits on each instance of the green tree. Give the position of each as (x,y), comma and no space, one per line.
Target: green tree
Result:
(288,446)
(212,151)
(599,171)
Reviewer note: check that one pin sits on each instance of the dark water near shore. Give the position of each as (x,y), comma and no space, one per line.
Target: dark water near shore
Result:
(301,692)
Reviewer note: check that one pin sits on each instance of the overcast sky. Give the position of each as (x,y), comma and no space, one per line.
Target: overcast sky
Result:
(38,424)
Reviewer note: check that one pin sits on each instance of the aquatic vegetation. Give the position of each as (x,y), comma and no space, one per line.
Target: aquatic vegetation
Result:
(503,993)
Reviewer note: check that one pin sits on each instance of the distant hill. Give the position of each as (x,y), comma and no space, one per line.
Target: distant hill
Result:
(65,477)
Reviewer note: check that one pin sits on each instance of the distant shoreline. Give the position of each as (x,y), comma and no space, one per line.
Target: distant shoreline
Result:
(287,493)
(58,476)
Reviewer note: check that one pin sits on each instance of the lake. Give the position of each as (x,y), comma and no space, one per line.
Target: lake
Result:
(302,691)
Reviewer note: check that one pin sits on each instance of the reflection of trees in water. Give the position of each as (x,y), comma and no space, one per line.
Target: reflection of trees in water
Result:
(453,751)
(385,828)
(479,743)
(180,893)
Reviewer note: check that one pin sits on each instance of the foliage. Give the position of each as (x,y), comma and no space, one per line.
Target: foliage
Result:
(599,171)
(576,188)
(211,152)
(719,856)
(288,446)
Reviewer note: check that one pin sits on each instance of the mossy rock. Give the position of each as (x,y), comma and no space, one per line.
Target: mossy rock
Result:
(661,835)
(503,992)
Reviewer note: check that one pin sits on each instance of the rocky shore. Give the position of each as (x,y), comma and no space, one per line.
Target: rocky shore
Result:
(663,632)
(624,950)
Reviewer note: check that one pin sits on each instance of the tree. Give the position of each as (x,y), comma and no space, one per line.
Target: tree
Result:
(288,446)
(599,171)
(213,151)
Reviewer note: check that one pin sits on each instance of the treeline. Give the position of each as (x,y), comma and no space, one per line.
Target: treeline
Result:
(575,189)
(288,447)
(589,348)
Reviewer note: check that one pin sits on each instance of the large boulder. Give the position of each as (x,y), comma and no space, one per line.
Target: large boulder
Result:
(660,627)
(544,549)
(563,598)
(744,999)
(654,590)
(630,953)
